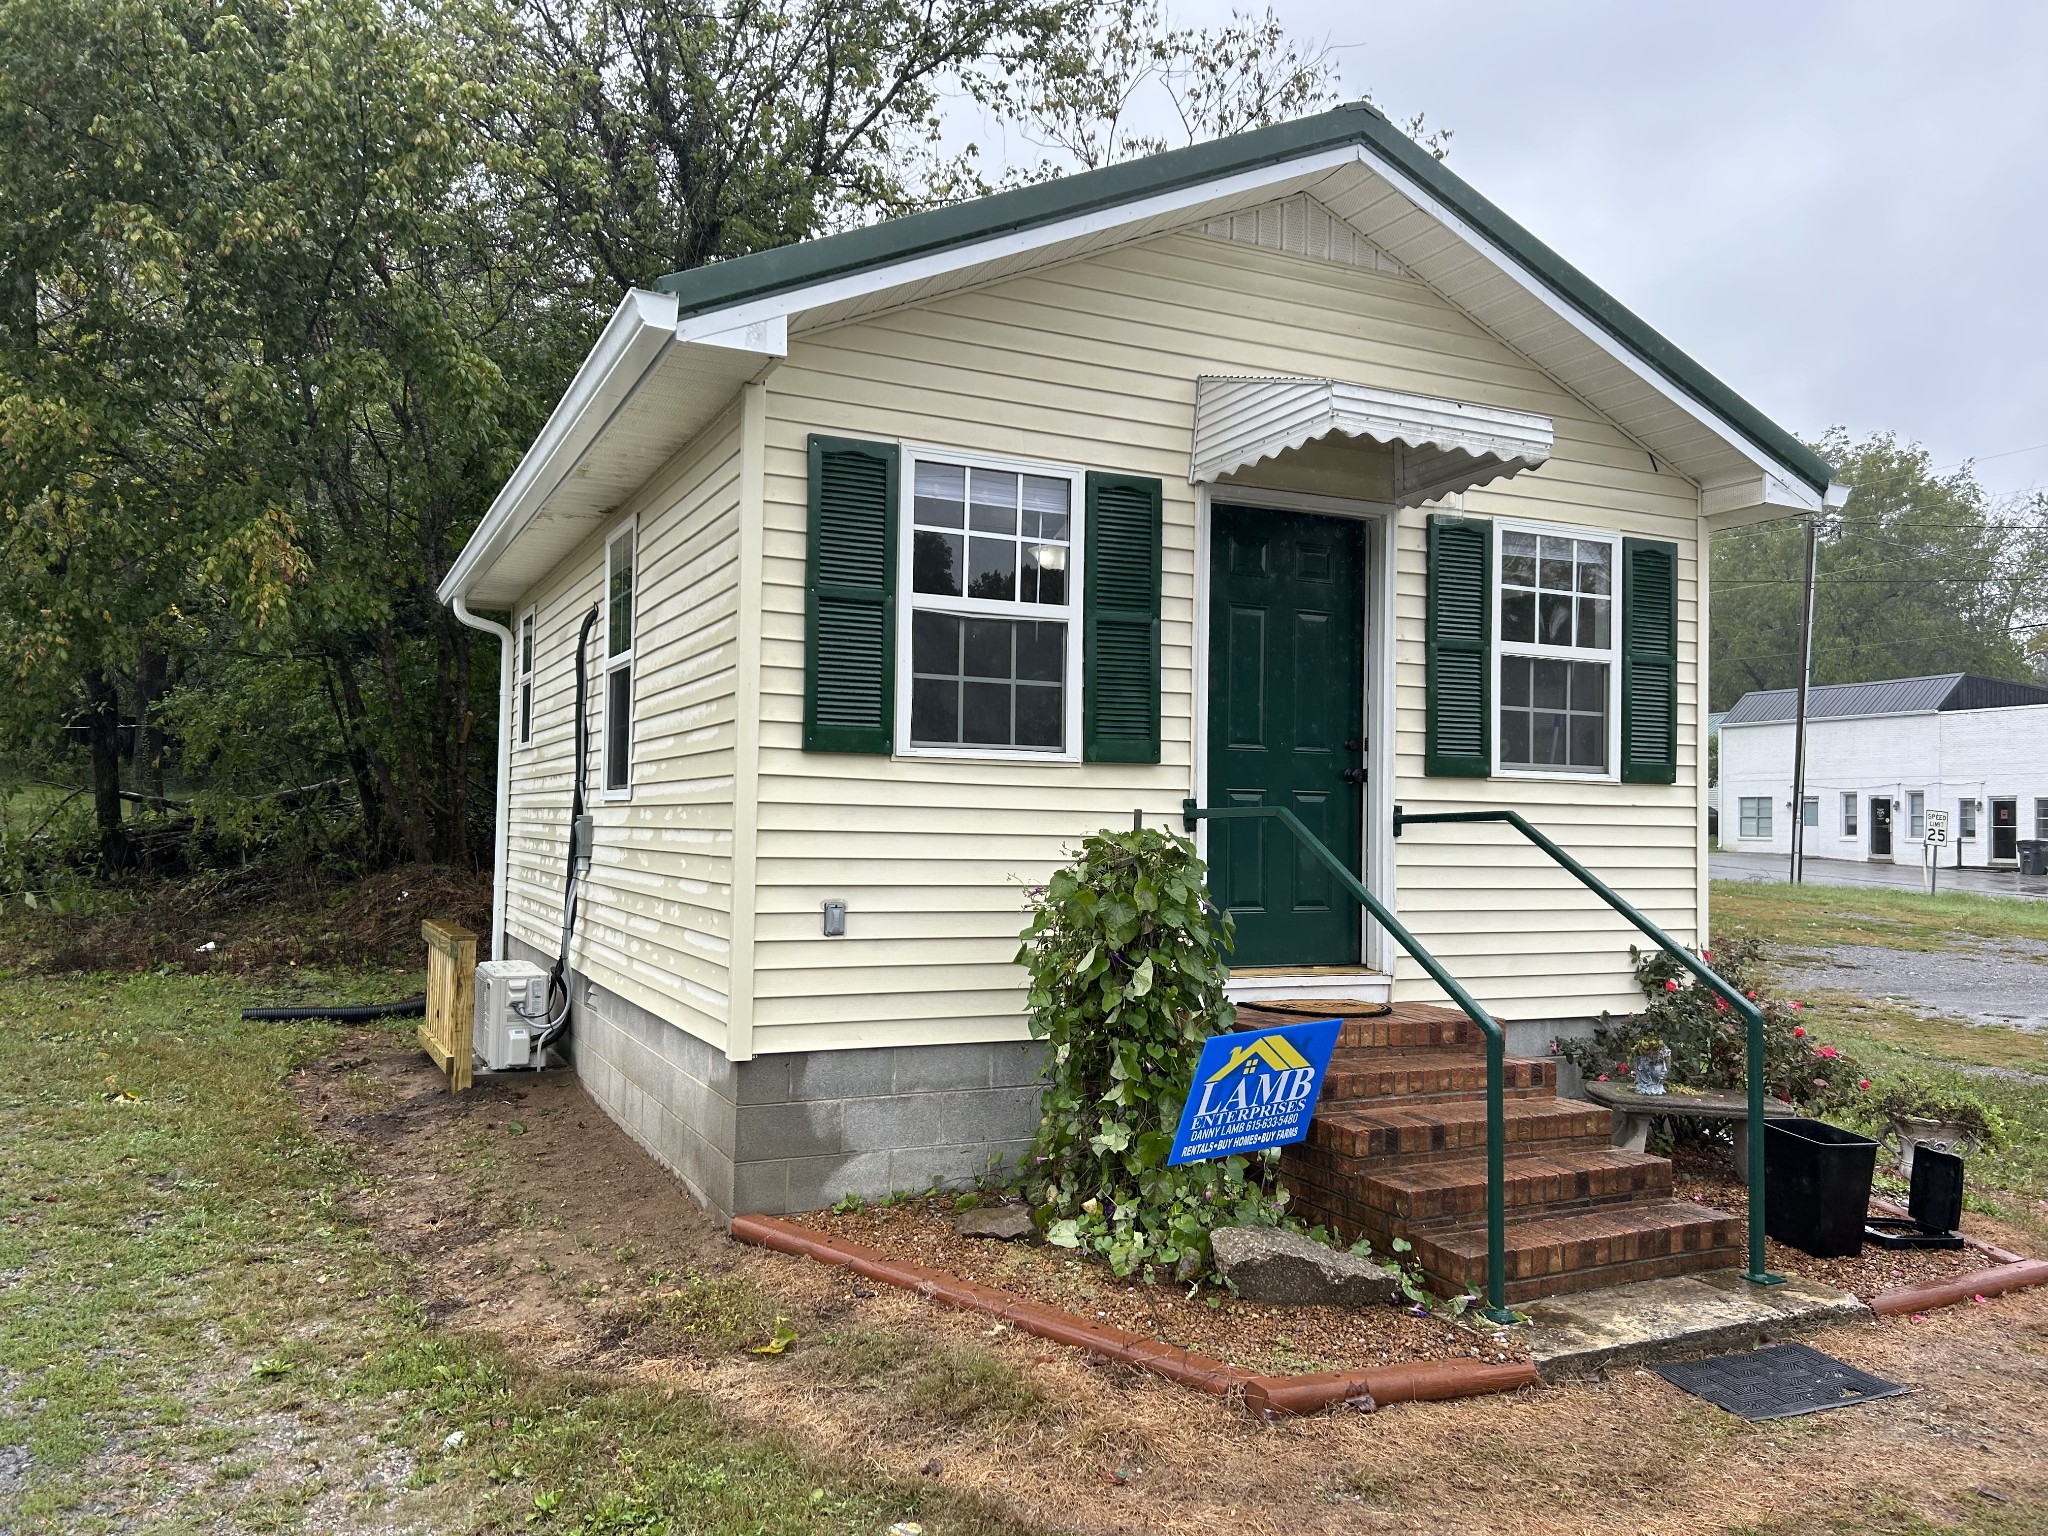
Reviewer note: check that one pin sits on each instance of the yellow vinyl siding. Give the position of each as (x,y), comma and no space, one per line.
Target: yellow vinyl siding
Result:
(656,919)
(1093,364)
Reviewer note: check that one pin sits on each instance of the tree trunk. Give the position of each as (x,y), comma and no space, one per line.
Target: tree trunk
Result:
(103,733)
(412,800)
(373,774)
(146,772)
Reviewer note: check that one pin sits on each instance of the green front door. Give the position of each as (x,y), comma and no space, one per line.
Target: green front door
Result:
(1286,713)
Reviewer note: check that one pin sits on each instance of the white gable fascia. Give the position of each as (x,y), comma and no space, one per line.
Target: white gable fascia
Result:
(1776,484)
(1774,489)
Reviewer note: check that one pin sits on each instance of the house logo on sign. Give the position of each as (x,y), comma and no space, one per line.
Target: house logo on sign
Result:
(1254,1091)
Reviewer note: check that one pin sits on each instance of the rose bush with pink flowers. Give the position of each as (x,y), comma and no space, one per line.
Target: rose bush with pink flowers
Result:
(1707,1038)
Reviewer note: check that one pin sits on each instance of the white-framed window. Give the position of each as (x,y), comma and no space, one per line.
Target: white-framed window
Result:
(1556,650)
(617,735)
(2041,819)
(1756,816)
(522,696)
(1916,813)
(1849,813)
(1966,820)
(989,572)
(1809,811)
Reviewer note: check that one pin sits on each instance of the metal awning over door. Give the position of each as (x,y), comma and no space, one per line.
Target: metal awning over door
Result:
(1440,446)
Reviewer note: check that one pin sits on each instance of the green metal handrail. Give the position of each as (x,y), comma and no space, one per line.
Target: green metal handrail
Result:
(1752,1016)
(1496,1307)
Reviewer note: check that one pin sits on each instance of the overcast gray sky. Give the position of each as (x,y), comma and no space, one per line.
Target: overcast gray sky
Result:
(1839,208)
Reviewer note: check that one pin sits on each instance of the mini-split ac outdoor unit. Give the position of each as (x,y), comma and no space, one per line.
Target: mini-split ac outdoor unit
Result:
(511,1010)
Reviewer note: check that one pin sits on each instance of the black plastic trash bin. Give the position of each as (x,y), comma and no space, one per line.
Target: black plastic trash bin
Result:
(1817,1186)
(2033,853)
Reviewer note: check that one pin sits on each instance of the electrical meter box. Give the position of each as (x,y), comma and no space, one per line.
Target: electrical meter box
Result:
(511,1012)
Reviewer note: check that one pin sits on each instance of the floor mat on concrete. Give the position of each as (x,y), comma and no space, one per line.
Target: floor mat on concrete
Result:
(1777,1382)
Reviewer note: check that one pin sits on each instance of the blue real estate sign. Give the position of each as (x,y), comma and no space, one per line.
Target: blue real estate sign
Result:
(1253,1090)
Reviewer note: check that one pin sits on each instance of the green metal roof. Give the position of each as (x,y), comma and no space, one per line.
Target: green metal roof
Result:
(766,273)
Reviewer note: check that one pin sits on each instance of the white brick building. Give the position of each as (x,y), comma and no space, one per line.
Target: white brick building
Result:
(1879,756)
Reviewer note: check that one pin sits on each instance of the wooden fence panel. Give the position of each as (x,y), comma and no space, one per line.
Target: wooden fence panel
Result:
(448,1032)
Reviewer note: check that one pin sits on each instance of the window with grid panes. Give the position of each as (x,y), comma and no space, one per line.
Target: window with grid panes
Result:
(526,679)
(618,661)
(1849,814)
(992,606)
(1756,816)
(1557,650)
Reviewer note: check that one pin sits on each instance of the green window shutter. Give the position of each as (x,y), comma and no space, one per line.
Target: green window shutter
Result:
(850,598)
(1459,739)
(1120,620)
(1649,662)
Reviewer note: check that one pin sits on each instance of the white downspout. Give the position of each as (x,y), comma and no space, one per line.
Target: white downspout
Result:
(508,657)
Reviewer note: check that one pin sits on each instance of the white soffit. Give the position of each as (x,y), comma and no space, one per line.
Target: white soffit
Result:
(1441,445)
(640,398)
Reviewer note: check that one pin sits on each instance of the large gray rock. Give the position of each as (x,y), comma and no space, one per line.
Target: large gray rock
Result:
(1286,1269)
(1008,1223)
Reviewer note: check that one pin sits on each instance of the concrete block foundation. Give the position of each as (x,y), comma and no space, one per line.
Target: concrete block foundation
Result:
(797,1131)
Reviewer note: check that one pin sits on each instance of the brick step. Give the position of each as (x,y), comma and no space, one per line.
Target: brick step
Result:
(1435,1130)
(1407,1199)
(1427,1072)
(1410,1024)
(1584,1250)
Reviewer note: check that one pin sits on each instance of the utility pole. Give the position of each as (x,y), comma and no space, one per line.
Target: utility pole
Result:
(1798,871)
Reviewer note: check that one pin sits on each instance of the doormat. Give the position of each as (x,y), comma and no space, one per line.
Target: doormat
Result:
(1779,1382)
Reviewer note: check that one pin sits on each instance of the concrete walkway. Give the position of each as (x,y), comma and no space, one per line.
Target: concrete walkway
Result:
(1770,868)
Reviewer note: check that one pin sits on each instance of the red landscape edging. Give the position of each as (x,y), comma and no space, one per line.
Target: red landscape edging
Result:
(2011,1273)
(1995,1281)
(1415,1381)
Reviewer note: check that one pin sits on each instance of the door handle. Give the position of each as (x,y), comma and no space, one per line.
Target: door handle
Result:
(1354,775)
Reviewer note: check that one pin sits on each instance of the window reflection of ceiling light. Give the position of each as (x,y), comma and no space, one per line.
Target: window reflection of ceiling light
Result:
(1051,558)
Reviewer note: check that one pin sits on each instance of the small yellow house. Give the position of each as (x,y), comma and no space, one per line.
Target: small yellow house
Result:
(1285,469)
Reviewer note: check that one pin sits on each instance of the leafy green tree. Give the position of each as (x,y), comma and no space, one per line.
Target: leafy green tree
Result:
(1920,573)
(287,285)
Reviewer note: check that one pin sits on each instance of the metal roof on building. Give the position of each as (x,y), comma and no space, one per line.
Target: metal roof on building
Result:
(785,268)
(1947,692)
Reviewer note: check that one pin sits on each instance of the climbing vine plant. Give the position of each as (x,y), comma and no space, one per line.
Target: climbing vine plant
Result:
(1126,955)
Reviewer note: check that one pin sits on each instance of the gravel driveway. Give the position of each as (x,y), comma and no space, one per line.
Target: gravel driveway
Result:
(2000,982)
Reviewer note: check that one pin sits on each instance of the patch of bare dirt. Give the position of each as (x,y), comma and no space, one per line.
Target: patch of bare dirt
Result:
(524,1212)
(243,921)
(1282,1340)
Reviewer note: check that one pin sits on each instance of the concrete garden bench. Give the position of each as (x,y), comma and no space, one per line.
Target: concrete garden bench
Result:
(1634,1111)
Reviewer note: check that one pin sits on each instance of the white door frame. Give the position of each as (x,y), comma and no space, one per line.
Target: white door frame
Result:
(1376,823)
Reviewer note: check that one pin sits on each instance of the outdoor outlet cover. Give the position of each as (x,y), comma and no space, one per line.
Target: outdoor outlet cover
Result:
(835,919)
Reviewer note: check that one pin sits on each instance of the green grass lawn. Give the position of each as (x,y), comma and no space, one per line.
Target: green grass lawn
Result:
(1788,915)
(1887,1038)
(196,1333)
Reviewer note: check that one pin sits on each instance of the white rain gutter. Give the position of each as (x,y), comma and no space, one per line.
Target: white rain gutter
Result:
(508,658)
